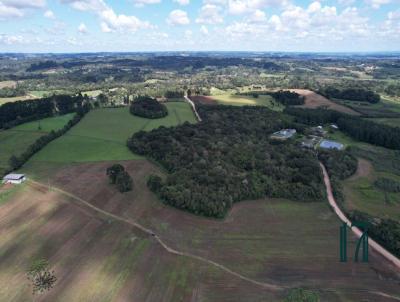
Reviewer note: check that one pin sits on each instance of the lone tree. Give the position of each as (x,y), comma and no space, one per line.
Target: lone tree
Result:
(124,182)
(41,277)
(113,172)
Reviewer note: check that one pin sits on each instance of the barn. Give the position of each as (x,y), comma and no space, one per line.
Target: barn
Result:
(14,178)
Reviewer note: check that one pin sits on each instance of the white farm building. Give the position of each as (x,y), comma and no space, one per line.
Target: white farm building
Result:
(14,178)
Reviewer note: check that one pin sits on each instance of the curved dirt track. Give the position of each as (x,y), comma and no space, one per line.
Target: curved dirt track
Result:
(267,286)
(376,246)
(364,169)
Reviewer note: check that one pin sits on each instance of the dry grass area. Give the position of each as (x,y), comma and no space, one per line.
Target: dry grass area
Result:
(314,100)
(8,84)
(276,241)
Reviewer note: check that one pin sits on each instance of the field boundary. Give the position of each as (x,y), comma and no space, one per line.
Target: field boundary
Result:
(193,107)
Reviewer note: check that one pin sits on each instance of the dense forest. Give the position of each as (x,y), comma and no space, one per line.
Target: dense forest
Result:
(9,92)
(145,106)
(228,158)
(15,113)
(351,94)
(356,127)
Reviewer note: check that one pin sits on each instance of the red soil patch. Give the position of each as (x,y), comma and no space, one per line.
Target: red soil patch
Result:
(314,100)
(203,100)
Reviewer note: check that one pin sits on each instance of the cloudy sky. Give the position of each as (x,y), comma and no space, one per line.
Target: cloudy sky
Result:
(153,25)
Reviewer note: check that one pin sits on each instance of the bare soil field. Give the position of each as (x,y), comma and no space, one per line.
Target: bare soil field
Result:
(8,84)
(314,100)
(287,243)
(204,100)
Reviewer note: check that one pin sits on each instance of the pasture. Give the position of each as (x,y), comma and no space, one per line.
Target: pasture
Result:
(14,141)
(243,100)
(103,133)
(288,244)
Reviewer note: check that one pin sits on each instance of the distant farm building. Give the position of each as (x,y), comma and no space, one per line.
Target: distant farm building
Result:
(311,142)
(284,134)
(319,131)
(326,144)
(14,178)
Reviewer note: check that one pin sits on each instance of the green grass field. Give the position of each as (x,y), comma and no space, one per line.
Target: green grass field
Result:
(242,100)
(103,133)
(394,122)
(14,141)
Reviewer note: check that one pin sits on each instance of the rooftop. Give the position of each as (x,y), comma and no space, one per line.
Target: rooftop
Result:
(14,176)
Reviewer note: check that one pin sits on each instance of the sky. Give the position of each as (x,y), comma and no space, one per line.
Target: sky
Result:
(202,25)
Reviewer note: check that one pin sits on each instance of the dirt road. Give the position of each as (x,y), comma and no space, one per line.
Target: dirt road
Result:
(376,246)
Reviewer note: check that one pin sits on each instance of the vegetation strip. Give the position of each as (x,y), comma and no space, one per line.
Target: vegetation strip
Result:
(377,247)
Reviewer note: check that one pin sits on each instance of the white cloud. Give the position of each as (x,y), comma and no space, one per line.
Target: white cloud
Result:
(140,3)
(178,17)
(11,40)
(210,14)
(110,21)
(49,14)
(182,2)
(22,4)
(8,12)
(204,30)
(376,4)
(238,7)
(258,16)
(82,28)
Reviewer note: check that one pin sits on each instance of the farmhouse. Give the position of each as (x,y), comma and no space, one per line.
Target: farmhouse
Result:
(284,134)
(14,178)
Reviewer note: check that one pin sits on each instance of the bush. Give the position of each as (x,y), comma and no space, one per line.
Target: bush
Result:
(145,106)
(120,178)
(124,182)
(154,183)
(387,185)
(302,295)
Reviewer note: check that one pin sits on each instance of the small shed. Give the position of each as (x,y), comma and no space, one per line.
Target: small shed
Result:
(14,178)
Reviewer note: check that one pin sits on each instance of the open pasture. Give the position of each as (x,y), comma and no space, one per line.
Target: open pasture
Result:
(288,244)
(243,100)
(103,133)
(14,141)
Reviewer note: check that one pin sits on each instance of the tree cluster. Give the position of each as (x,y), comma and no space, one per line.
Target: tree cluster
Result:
(17,162)
(356,127)
(15,113)
(228,158)
(285,97)
(145,106)
(119,177)
(351,94)
(174,94)
(339,165)
(387,185)
(8,92)
(384,231)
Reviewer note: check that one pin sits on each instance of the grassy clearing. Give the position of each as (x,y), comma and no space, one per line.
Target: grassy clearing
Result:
(8,84)
(14,141)
(242,100)
(103,133)
(92,93)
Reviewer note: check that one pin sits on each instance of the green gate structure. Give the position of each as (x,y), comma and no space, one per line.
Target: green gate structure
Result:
(363,240)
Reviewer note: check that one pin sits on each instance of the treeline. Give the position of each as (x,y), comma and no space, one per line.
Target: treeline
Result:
(351,94)
(285,97)
(339,165)
(174,94)
(8,92)
(15,113)
(356,127)
(384,231)
(17,162)
(42,65)
(228,158)
(145,106)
